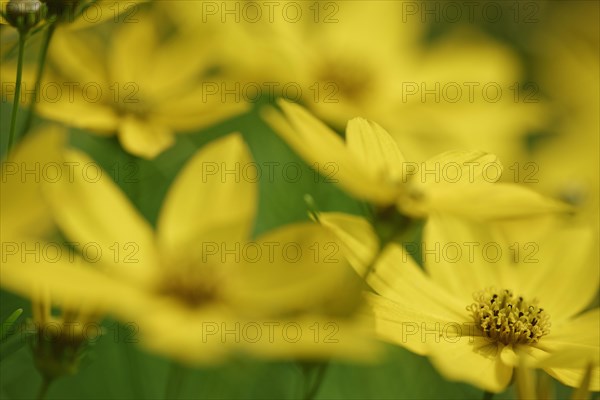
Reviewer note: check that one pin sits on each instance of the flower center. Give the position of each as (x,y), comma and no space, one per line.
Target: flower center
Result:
(507,318)
(351,80)
(194,289)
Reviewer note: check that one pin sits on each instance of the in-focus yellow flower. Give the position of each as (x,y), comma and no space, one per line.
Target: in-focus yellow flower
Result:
(142,87)
(480,313)
(198,287)
(370,166)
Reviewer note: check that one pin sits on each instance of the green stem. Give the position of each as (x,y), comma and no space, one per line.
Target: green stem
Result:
(174,380)
(46,382)
(15,110)
(312,392)
(488,395)
(38,77)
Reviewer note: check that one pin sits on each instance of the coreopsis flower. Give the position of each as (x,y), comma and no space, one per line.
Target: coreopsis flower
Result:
(142,87)
(198,287)
(479,314)
(371,166)
(343,59)
(26,222)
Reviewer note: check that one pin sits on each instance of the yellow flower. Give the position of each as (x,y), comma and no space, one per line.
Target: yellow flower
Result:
(142,87)
(479,313)
(566,164)
(342,60)
(198,287)
(370,166)
(26,220)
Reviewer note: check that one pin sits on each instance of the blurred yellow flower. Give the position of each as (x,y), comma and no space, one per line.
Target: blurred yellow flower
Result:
(198,288)
(26,221)
(346,59)
(478,316)
(370,166)
(566,58)
(142,87)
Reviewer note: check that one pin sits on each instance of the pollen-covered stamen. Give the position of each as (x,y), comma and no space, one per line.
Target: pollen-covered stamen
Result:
(507,318)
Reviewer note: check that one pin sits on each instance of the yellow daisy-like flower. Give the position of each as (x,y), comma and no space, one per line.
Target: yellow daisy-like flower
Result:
(370,166)
(25,222)
(198,287)
(343,58)
(141,87)
(478,316)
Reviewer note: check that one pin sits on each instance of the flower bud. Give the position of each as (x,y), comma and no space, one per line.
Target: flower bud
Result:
(24,14)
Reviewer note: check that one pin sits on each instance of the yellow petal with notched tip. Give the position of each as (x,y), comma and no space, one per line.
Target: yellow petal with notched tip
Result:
(144,138)
(456,167)
(487,201)
(356,236)
(375,148)
(320,146)
(471,359)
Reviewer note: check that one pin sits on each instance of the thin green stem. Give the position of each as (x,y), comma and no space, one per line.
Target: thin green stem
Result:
(38,76)
(46,382)
(488,395)
(174,380)
(17,99)
(314,389)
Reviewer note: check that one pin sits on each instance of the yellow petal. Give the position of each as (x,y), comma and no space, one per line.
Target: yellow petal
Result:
(374,147)
(573,377)
(412,326)
(297,267)
(473,360)
(193,336)
(488,201)
(464,257)
(310,337)
(79,57)
(458,167)
(195,110)
(81,113)
(573,344)
(145,139)
(564,278)
(68,280)
(356,236)
(213,198)
(105,10)
(131,50)
(397,277)
(92,212)
(35,161)
(320,146)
